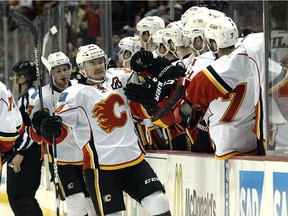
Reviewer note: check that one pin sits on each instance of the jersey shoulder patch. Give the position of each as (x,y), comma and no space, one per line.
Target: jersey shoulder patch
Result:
(63,96)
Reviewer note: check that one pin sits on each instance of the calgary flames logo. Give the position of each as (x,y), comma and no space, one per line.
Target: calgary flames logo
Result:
(108,119)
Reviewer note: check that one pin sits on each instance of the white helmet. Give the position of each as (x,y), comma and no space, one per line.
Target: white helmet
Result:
(195,27)
(223,30)
(150,24)
(58,58)
(131,44)
(192,11)
(158,37)
(158,40)
(88,52)
(174,34)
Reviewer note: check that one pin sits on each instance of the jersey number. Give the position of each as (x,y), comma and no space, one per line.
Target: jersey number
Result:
(235,97)
(10,105)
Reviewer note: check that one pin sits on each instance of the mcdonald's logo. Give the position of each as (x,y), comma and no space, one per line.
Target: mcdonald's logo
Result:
(178,191)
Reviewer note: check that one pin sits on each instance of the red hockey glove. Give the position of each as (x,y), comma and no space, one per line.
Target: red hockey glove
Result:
(185,116)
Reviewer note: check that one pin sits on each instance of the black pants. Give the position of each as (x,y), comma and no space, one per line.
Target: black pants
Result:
(22,186)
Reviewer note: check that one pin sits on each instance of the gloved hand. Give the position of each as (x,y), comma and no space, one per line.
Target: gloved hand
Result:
(170,71)
(141,61)
(38,118)
(26,119)
(51,126)
(185,116)
(144,63)
(149,93)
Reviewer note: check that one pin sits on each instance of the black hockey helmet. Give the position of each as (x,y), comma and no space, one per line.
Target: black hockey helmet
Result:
(27,68)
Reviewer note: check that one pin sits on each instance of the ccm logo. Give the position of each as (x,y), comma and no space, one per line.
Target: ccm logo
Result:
(147,181)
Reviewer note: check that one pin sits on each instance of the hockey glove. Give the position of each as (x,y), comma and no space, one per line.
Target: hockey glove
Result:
(144,63)
(141,61)
(186,117)
(26,119)
(170,72)
(38,118)
(149,93)
(51,127)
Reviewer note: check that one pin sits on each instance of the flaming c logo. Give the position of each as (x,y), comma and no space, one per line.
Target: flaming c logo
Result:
(108,120)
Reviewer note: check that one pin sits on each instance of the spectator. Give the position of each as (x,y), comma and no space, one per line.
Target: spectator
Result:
(92,16)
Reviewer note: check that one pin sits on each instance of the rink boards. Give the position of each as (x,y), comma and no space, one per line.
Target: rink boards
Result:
(199,185)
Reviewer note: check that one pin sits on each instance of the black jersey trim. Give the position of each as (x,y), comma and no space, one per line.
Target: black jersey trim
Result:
(219,79)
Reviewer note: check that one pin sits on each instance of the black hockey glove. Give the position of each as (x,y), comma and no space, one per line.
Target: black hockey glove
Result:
(169,72)
(26,119)
(149,93)
(51,126)
(38,118)
(143,62)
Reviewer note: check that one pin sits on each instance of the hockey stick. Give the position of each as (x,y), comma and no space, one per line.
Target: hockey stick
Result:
(24,20)
(54,157)
(52,31)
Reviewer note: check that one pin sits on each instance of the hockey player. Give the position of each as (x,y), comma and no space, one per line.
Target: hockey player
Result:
(128,46)
(100,116)
(11,122)
(193,30)
(150,137)
(177,52)
(217,87)
(69,155)
(25,161)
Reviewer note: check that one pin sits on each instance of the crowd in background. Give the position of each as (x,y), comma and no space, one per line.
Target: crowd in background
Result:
(83,17)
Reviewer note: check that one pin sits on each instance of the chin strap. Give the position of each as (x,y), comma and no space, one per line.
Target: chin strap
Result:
(90,79)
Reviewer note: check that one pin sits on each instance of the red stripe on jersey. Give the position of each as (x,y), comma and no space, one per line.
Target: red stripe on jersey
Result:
(203,90)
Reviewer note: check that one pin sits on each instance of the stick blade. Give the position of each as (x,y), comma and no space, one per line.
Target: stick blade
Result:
(46,63)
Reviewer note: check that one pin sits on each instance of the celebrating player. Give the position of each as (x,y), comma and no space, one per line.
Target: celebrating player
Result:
(98,113)
(230,93)
(69,155)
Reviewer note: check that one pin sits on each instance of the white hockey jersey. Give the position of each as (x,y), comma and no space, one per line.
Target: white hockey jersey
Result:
(254,44)
(99,116)
(232,109)
(67,151)
(11,119)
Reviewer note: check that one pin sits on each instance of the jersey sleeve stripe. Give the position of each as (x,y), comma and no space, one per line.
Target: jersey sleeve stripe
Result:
(214,77)
(279,81)
(8,136)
